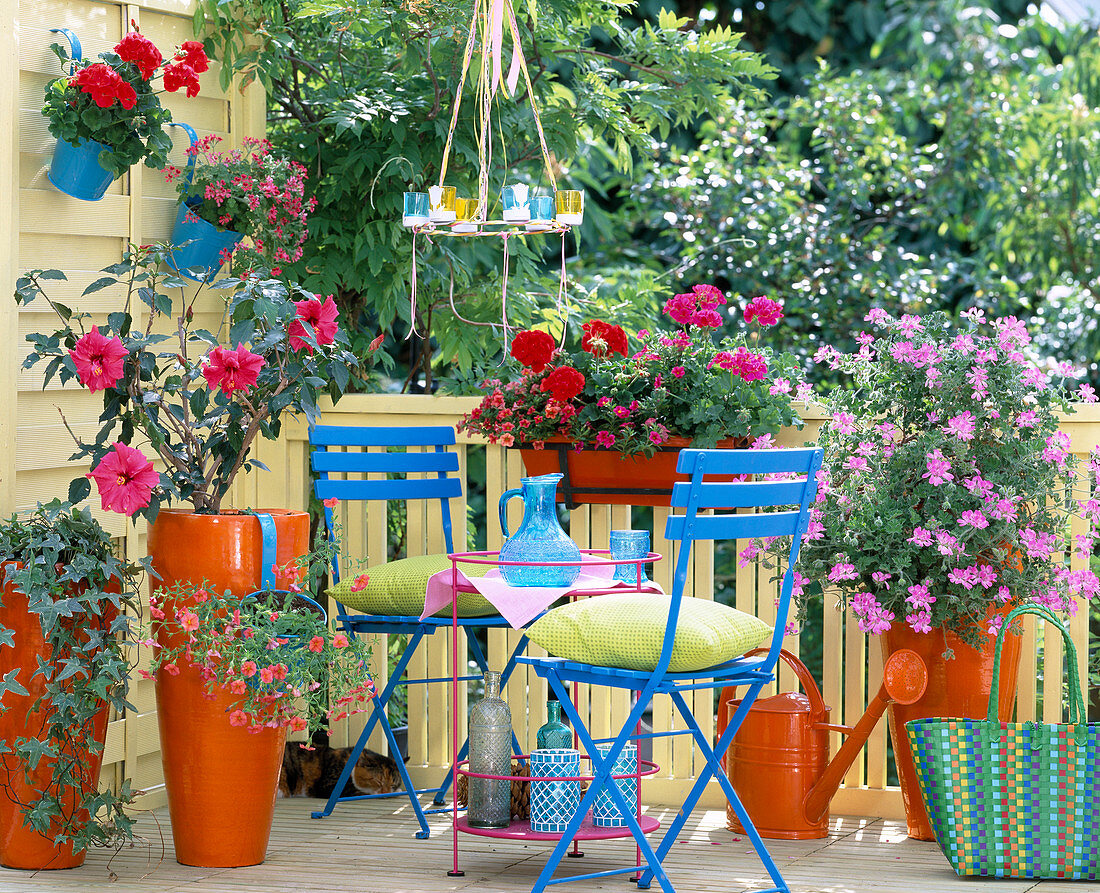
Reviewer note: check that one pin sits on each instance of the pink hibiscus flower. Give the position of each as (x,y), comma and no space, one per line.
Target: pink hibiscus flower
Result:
(125,479)
(321,316)
(232,370)
(98,360)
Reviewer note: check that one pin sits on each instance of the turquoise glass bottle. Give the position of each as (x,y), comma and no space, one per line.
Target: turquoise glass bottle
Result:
(554,733)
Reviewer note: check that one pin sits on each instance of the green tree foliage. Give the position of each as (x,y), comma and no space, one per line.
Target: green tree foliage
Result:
(362,94)
(966,179)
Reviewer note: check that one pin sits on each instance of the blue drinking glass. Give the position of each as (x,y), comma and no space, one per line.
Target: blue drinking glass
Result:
(629,544)
(416,209)
(541,208)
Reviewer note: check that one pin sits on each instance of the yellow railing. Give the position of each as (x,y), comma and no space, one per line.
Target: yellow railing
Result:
(852,666)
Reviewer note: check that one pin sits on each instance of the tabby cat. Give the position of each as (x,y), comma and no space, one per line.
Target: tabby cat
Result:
(314,773)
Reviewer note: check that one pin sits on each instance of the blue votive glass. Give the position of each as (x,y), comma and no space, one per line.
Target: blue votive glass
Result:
(629,544)
(416,209)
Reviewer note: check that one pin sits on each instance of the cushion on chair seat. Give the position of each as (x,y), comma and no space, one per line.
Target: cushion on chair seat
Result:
(398,587)
(626,630)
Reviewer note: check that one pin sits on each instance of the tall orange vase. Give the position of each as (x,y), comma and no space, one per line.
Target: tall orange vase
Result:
(22,847)
(956,688)
(221,780)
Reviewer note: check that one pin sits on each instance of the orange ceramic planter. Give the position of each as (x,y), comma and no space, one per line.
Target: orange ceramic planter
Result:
(956,688)
(608,477)
(221,779)
(22,847)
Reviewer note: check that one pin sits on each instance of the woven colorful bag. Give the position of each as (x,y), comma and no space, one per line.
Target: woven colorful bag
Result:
(1018,800)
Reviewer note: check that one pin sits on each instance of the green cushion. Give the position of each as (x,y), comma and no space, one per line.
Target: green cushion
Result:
(626,630)
(398,587)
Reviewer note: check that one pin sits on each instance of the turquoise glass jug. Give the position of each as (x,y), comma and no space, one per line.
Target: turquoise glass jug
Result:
(540,537)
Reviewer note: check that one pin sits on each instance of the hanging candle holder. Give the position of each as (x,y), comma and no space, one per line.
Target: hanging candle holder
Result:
(522,213)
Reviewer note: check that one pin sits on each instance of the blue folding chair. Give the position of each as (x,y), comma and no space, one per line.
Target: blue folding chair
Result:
(388,453)
(702,494)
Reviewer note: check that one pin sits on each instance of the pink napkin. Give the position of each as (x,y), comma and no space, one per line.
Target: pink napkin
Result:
(519,605)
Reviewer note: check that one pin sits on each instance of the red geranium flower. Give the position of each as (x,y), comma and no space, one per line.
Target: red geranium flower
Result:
(125,479)
(322,316)
(194,55)
(102,83)
(181,75)
(602,339)
(141,51)
(232,370)
(764,310)
(564,383)
(533,349)
(98,360)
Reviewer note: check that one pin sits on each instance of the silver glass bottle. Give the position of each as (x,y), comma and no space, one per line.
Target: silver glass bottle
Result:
(490,800)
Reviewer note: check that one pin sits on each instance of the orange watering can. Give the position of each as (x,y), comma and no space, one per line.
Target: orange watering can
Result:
(779,760)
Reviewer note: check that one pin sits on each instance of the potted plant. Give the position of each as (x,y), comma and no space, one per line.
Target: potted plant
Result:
(199,404)
(64,663)
(942,504)
(598,412)
(107,115)
(225,196)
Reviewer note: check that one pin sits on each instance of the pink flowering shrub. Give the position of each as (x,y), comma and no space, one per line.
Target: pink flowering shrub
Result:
(186,398)
(947,484)
(252,191)
(273,653)
(632,395)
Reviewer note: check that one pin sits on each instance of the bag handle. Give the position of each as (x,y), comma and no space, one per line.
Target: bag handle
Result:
(1076,701)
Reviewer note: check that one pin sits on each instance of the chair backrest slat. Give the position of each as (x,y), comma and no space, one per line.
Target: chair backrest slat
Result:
(746,494)
(732,527)
(796,461)
(433,488)
(346,435)
(398,463)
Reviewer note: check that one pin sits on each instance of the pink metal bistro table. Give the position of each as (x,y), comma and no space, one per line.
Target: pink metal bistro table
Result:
(520,605)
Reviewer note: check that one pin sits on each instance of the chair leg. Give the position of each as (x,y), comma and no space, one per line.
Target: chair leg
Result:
(714,768)
(378,715)
(601,778)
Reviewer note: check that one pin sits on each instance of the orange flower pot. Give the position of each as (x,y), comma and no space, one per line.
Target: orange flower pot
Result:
(956,688)
(221,779)
(608,477)
(22,847)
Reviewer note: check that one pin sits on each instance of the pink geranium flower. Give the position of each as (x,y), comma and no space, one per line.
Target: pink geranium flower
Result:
(98,360)
(125,479)
(232,370)
(321,316)
(763,311)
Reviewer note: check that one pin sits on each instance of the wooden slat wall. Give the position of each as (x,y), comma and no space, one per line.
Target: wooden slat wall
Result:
(852,665)
(42,228)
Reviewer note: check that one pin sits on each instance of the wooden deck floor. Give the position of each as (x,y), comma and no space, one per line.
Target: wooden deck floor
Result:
(370,848)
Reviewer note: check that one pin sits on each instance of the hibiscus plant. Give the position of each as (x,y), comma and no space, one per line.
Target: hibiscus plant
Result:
(253,191)
(676,383)
(57,564)
(114,102)
(948,488)
(195,398)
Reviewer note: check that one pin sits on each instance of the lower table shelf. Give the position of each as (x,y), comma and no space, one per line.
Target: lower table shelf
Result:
(521,830)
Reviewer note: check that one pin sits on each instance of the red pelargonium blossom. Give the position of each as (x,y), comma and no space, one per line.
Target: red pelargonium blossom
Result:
(193,54)
(321,316)
(563,383)
(603,339)
(141,51)
(125,478)
(105,85)
(533,348)
(232,370)
(181,75)
(99,360)
(764,311)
